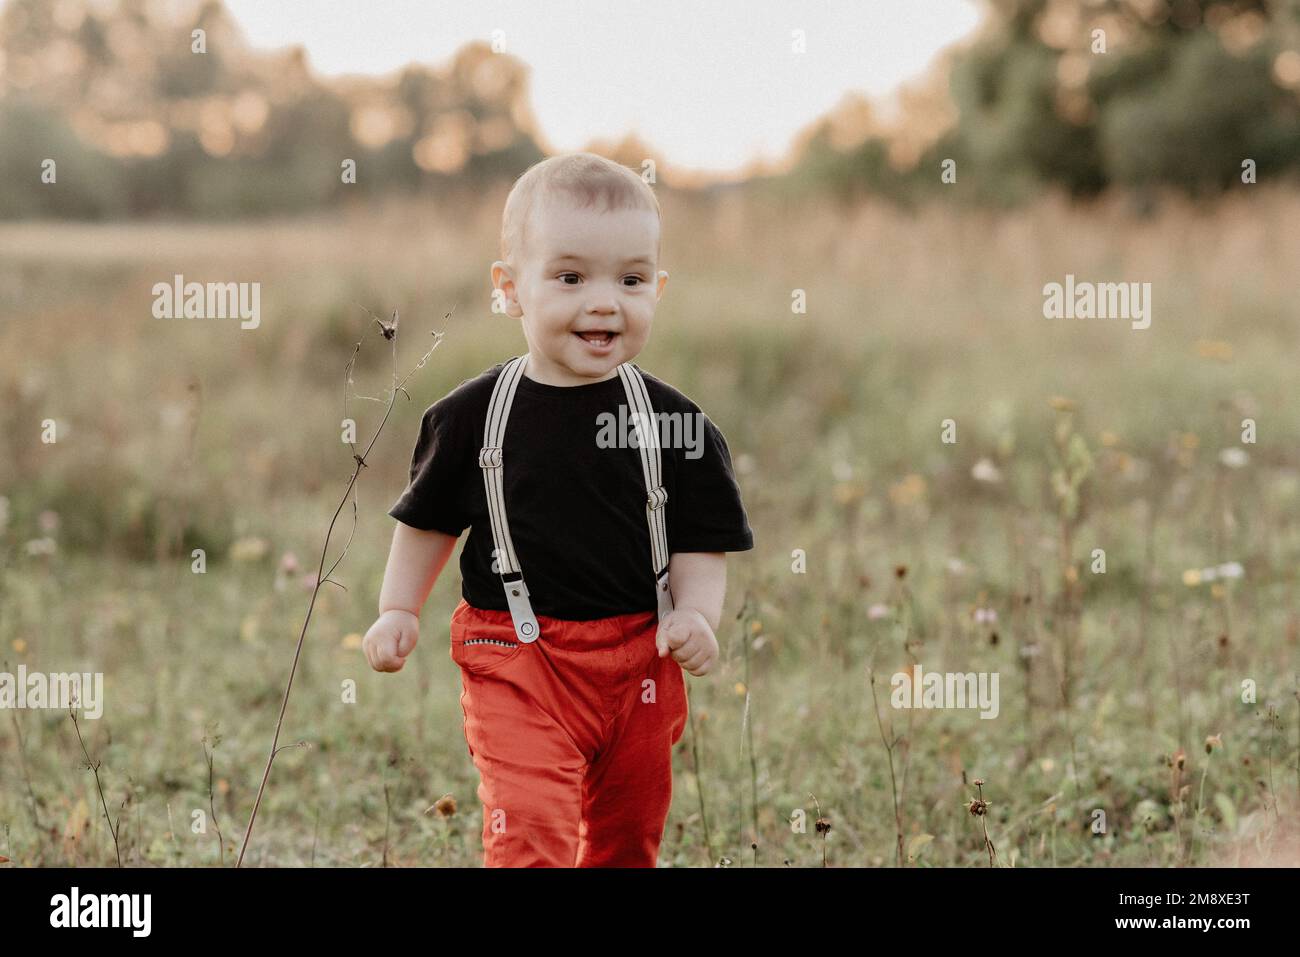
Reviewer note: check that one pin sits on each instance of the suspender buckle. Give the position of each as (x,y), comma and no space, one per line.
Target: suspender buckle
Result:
(657,497)
(663,595)
(521,611)
(490,457)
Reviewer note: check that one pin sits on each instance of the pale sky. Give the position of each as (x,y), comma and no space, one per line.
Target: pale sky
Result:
(709,84)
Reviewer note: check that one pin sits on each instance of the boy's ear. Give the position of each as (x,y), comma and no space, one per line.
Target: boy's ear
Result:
(504,281)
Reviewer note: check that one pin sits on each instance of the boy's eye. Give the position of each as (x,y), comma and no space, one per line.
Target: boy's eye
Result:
(564,276)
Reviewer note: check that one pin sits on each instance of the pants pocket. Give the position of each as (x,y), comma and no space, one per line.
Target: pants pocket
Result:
(482,648)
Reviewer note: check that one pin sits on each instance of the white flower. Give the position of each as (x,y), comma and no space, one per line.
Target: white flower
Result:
(956,566)
(877,611)
(985,471)
(1234,458)
(985,616)
(1231,570)
(41,546)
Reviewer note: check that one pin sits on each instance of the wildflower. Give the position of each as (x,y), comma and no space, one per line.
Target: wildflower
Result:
(985,616)
(877,611)
(1192,577)
(1234,458)
(352,640)
(48,521)
(1211,742)
(248,549)
(444,807)
(986,471)
(908,491)
(1061,404)
(846,493)
(1214,349)
(1231,570)
(41,546)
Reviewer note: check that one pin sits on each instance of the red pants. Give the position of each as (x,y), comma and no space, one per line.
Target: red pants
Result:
(572,735)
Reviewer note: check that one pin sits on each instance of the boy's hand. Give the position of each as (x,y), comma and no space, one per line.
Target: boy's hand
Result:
(390,639)
(686,633)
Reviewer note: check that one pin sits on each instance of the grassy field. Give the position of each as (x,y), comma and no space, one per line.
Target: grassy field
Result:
(960,556)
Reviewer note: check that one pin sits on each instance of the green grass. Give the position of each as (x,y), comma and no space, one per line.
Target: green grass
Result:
(834,421)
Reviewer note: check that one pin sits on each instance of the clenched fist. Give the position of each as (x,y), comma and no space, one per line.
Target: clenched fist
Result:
(686,633)
(390,639)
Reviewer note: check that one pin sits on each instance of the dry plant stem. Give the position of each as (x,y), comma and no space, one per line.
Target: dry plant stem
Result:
(699,782)
(388,820)
(1297,745)
(94,768)
(359,463)
(27,777)
(1273,723)
(820,830)
(749,733)
(988,845)
(893,784)
(212,809)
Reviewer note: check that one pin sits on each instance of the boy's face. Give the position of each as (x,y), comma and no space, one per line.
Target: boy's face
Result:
(583,271)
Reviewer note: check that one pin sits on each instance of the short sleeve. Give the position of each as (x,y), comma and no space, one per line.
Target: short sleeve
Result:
(432,498)
(706,514)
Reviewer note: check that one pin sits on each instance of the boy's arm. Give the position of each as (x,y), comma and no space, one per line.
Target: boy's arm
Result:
(415,560)
(699,580)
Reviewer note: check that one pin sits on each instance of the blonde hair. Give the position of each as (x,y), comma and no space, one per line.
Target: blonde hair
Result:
(583,177)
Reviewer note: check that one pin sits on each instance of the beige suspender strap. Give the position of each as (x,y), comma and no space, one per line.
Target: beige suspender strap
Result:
(491,460)
(647,430)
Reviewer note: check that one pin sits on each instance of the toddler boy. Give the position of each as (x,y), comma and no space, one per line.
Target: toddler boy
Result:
(600,502)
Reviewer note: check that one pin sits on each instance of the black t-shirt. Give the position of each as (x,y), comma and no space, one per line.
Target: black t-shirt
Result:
(576,510)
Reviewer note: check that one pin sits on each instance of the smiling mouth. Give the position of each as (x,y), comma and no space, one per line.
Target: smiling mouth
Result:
(597,338)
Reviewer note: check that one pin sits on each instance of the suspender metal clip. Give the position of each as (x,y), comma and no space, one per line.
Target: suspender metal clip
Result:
(521,612)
